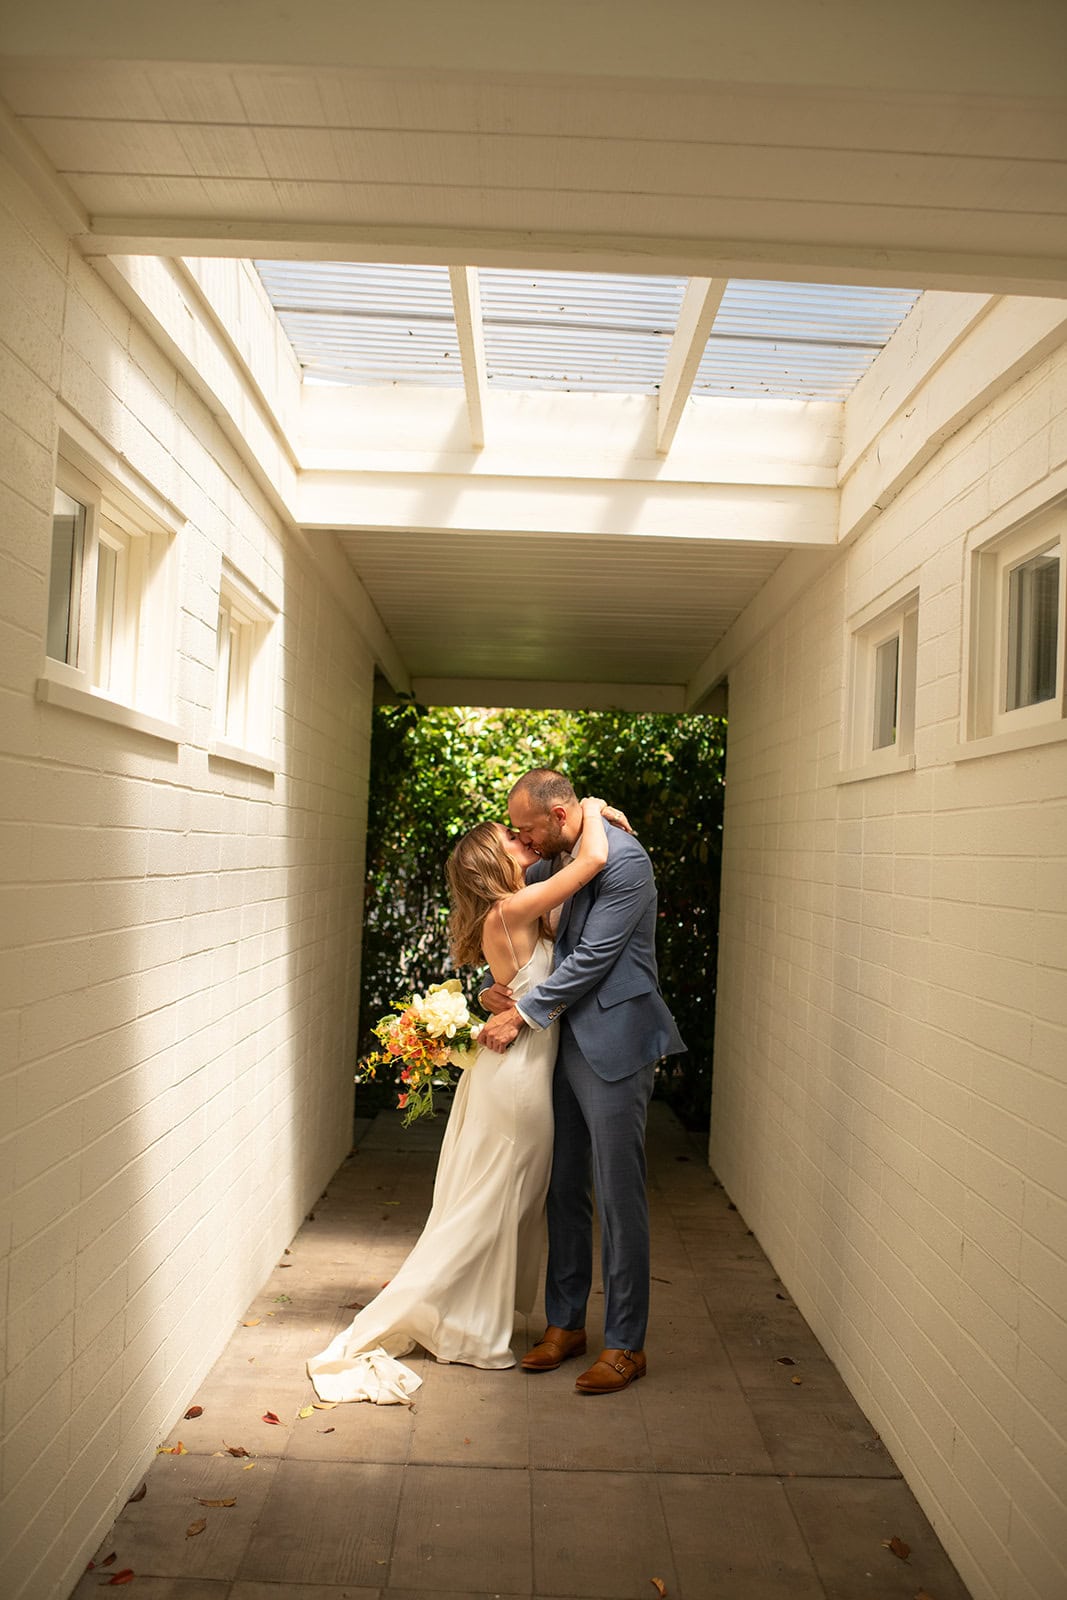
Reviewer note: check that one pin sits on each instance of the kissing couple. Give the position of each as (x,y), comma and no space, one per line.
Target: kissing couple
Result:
(561,906)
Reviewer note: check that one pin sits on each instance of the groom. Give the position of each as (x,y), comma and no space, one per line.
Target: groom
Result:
(614,1027)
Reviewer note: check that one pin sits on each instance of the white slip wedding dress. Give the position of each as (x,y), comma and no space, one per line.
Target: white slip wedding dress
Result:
(478,1257)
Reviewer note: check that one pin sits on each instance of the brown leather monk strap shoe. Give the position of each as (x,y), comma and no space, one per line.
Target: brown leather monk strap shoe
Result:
(554,1346)
(612,1370)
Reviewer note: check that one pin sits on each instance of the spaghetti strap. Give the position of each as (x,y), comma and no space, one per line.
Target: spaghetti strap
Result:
(511,946)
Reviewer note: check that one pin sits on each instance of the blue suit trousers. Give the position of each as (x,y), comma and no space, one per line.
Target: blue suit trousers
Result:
(599,1146)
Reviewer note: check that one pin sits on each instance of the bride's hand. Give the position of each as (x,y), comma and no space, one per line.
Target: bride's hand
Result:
(612,814)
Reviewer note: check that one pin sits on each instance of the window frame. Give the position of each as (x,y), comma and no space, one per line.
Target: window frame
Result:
(892,616)
(987,723)
(242,718)
(138,652)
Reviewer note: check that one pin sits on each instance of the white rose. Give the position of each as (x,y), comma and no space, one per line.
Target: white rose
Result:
(442,1012)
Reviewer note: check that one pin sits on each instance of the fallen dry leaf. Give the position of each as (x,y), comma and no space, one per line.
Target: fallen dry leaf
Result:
(215,1502)
(268,1416)
(248,1466)
(109,1561)
(785,1361)
(660,1280)
(795,1379)
(354,1305)
(898,1547)
(235,1449)
(194,1411)
(305,1411)
(142,1491)
(324,1405)
(284,1265)
(252,1322)
(659,1586)
(196,1527)
(327,1430)
(127,1575)
(172,1450)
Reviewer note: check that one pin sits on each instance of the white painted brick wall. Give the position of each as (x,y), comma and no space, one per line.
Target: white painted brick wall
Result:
(890,1099)
(179,938)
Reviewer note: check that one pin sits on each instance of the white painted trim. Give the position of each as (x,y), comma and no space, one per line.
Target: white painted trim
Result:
(696,317)
(266,403)
(52,691)
(932,330)
(219,750)
(747,513)
(84,448)
(30,161)
(1018,739)
(897,267)
(887,762)
(1011,339)
(539,693)
(467,306)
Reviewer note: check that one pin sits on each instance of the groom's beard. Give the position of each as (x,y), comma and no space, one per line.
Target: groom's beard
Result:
(553,846)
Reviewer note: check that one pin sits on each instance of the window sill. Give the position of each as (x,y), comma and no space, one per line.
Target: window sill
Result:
(1018,739)
(881,767)
(219,750)
(87,703)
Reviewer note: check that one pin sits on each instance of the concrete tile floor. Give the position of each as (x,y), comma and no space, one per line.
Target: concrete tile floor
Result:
(717,1474)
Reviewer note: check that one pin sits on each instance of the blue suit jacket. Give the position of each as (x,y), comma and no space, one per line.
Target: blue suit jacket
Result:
(605,977)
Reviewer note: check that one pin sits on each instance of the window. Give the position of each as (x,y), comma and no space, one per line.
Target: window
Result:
(1016,637)
(880,731)
(243,712)
(65,583)
(110,625)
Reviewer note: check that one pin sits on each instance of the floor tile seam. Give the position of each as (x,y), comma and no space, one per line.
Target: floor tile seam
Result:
(733,1473)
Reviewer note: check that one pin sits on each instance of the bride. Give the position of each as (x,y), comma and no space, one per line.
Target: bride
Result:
(478,1256)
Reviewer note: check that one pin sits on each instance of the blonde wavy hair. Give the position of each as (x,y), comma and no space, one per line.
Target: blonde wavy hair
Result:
(480,872)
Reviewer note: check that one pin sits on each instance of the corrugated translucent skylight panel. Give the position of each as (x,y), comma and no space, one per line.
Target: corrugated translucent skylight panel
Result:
(352,322)
(578,330)
(394,324)
(800,341)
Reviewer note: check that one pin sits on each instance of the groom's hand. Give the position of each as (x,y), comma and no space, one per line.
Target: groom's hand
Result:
(501,1030)
(495,999)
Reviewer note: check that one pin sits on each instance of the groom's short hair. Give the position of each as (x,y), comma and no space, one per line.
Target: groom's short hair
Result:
(545,788)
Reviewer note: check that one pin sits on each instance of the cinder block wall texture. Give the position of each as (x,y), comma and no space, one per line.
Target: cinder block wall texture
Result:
(180,937)
(890,1099)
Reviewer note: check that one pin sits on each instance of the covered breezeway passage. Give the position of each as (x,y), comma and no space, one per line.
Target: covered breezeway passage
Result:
(745,1469)
(216,554)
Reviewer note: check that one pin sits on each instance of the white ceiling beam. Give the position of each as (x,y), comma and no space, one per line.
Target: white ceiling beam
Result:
(776,515)
(700,306)
(936,266)
(467,305)
(539,694)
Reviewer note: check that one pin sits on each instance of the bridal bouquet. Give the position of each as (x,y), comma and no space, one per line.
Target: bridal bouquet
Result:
(427,1037)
